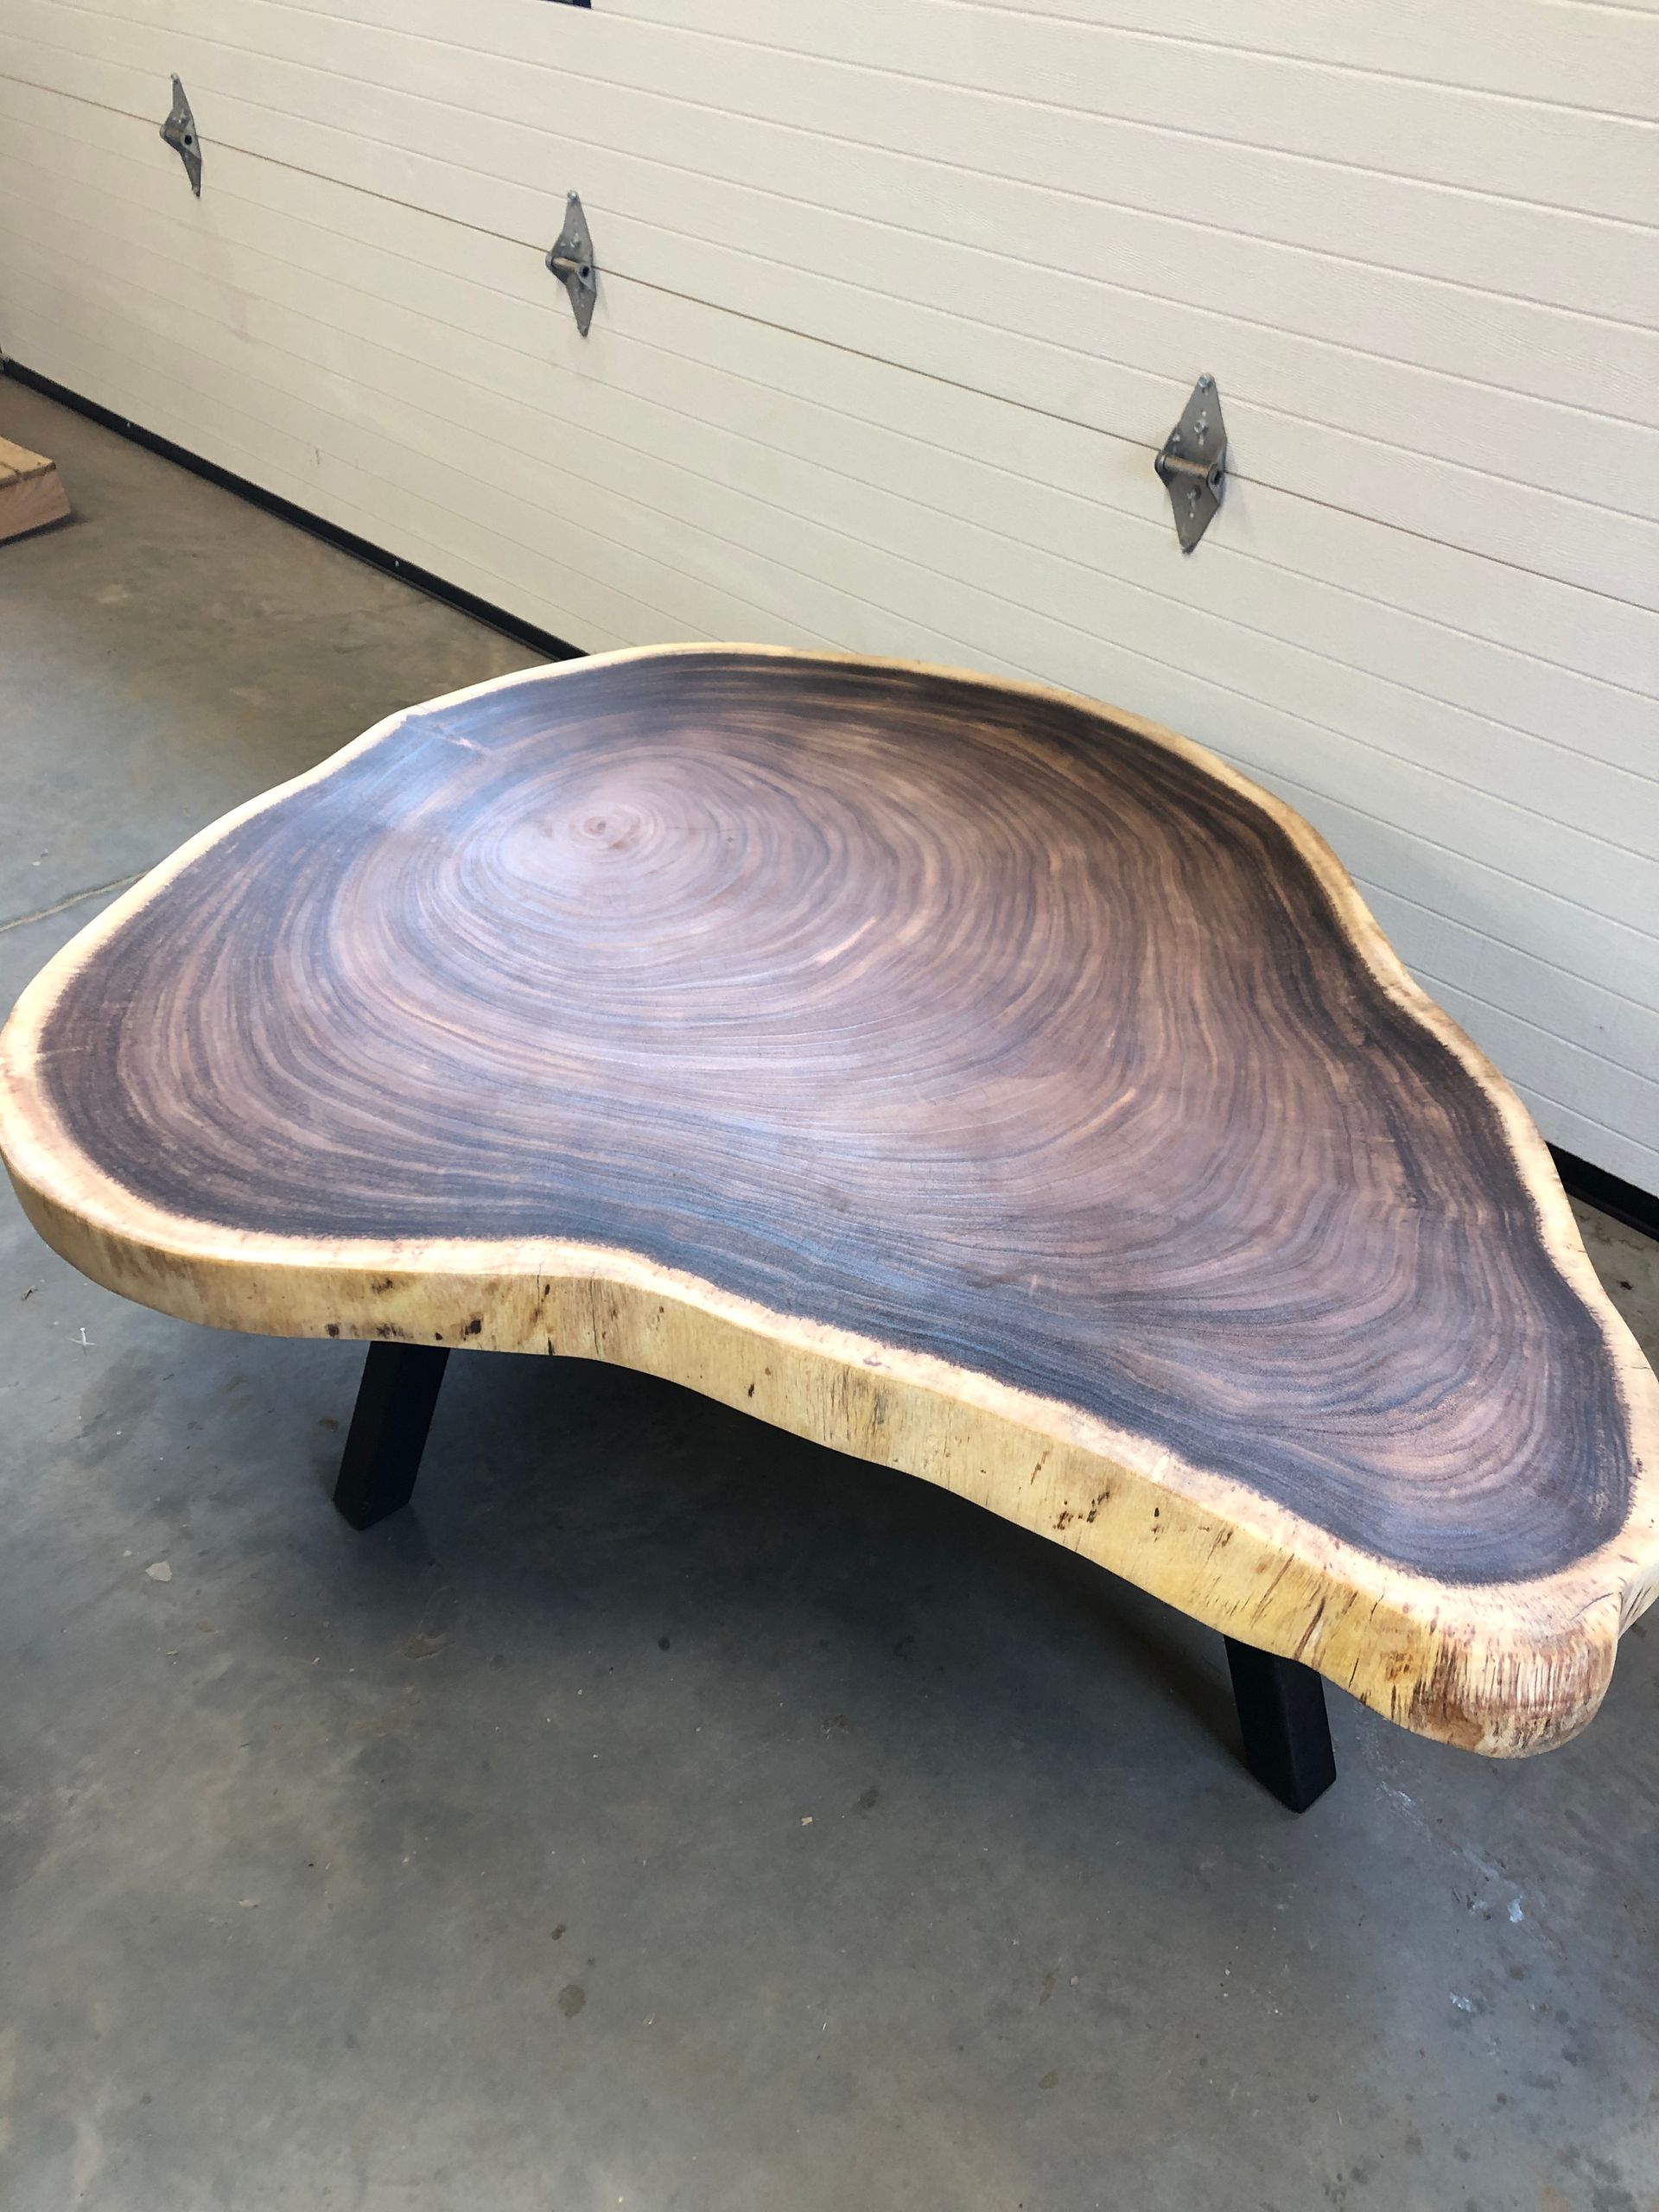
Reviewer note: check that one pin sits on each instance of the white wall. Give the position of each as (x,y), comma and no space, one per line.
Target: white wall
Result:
(897,299)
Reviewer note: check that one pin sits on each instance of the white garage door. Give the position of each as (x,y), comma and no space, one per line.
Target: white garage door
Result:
(898,299)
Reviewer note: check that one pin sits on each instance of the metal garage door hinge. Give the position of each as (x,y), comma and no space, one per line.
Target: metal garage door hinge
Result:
(180,132)
(570,257)
(1193,463)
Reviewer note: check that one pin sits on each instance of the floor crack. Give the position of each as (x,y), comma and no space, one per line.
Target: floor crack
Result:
(94,891)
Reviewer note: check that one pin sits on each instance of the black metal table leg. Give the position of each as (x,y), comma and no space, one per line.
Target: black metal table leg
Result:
(1286,1734)
(390,1420)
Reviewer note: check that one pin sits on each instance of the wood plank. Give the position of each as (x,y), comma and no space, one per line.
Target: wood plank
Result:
(31,491)
(952,1072)
(17,461)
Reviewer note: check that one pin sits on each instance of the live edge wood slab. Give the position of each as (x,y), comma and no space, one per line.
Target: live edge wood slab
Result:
(953,1072)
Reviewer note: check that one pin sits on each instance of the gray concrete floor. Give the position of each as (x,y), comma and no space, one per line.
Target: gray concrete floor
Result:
(664,1813)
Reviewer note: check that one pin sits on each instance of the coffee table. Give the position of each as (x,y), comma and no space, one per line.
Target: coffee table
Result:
(968,1078)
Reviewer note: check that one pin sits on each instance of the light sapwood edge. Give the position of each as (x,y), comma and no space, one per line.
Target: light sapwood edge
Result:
(1501,1667)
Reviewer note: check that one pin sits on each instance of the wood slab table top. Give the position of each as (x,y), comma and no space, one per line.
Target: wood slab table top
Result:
(955,1072)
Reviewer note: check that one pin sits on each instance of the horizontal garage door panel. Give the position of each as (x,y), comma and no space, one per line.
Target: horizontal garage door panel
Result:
(969,85)
(1339,420)
(1049,482)
(1527,48)
(1482,299)
(1172,71)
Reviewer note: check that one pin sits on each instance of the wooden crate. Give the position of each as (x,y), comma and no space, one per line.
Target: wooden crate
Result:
(31,491)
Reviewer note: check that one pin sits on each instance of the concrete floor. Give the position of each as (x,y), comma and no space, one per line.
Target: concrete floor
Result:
(664,1813)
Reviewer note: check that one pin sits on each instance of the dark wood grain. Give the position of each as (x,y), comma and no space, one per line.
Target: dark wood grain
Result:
(970,1021)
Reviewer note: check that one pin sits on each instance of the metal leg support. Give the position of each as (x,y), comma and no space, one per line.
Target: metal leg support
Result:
(384,1444)
(1281,1714)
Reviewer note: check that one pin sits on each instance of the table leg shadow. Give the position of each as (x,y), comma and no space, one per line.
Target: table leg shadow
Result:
(1280,1703)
